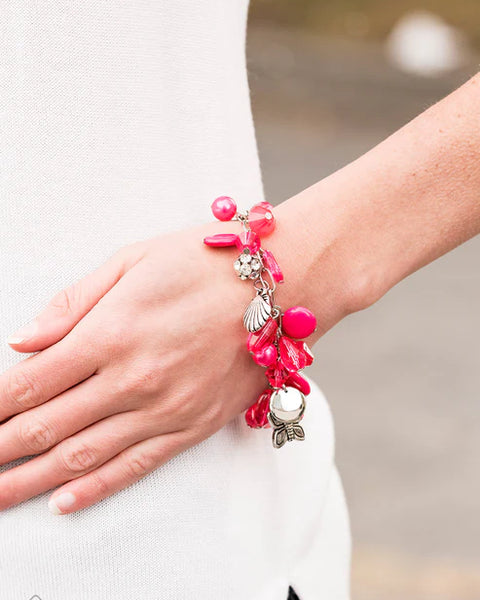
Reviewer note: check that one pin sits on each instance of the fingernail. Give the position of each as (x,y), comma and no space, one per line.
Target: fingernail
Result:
(24,333)
(59,504)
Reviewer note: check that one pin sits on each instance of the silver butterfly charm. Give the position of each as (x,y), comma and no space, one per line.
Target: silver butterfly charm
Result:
(284,432)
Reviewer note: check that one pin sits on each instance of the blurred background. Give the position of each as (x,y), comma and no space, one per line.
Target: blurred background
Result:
(330,79)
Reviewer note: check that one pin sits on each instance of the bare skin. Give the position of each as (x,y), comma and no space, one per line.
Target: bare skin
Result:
(129,369)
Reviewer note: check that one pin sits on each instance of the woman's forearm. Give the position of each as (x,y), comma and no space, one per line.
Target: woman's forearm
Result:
(345,241)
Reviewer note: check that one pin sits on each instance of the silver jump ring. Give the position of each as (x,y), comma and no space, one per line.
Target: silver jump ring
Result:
(273,285)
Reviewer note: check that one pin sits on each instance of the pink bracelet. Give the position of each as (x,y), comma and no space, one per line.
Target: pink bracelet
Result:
(274,338)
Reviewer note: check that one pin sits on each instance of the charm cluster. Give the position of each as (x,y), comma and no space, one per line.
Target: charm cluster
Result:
(275,338)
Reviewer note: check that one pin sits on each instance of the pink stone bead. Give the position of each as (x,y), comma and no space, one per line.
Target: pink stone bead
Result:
(224,208)
(266,356)
(248,239)
(250,416)
(295,355)
(266,335)
(298,322)
(263,408)
(297,381)
(220,240)
(261,219)
(272,266)
(257,414)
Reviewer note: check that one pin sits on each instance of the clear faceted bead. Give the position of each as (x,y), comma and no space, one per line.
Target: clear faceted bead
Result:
(245,269)
(255,264)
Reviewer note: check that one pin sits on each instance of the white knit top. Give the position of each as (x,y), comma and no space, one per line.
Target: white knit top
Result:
(120,120)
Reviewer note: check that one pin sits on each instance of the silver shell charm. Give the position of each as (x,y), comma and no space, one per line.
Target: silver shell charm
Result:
(287,406)
(257,313)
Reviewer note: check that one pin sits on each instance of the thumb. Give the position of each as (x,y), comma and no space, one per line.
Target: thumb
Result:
(70,305)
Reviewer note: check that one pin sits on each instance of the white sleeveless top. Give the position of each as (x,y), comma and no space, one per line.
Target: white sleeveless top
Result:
(120,120)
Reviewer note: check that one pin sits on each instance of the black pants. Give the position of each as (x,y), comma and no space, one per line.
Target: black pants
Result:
(291,594)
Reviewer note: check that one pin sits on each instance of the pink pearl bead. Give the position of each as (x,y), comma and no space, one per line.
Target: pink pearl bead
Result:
(298,322)
(266,356)
(224,208)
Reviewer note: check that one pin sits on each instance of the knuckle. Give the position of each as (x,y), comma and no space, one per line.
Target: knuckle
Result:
(130,254)
(186,408)
(21,390)
(99,485)
(138,464)
(112,339)
(211,418)
(76,458)
(64,301)
(36,436)
(114,333)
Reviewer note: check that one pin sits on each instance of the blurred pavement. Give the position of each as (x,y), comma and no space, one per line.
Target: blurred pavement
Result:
(403,377)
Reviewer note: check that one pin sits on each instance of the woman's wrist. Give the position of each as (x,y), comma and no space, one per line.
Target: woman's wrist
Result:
(323,265)
(345,241)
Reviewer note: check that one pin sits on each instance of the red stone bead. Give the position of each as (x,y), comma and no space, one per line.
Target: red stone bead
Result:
(277,374)
(221,240)
(272,265)
(257,414)
(266,356)
(295,355)
(224,208)
(297,381)
(261,219)
(298,322)
(266,335)
(248,239)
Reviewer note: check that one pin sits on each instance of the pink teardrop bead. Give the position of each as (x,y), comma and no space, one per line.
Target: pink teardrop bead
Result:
(266,335)
(261,219)
(298,322)
(266,356)
(220,240)
(224,208)
(273,266)
(248,239)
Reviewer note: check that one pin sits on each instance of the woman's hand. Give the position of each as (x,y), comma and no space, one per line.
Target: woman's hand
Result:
(146,356)
(140,360)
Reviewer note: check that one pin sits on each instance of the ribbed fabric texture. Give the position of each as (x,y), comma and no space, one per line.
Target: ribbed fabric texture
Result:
(118,121)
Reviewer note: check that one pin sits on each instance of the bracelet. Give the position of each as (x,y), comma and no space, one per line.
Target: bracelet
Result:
(274,338)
